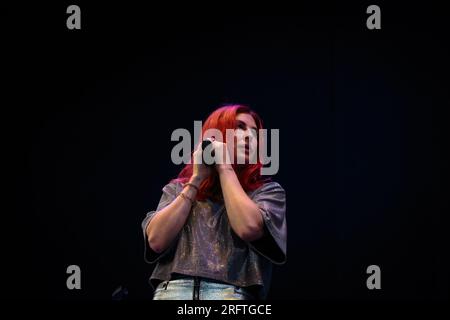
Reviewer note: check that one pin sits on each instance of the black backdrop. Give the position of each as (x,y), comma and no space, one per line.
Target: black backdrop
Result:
(362,115)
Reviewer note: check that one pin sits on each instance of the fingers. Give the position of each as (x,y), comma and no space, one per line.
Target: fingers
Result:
(218,152)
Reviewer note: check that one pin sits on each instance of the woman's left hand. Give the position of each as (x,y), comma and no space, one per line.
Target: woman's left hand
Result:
(221,155)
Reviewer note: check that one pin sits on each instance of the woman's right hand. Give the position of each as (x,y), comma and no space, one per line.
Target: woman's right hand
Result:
(200,171)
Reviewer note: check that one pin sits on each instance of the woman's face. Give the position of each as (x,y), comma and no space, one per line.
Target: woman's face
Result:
(246,139)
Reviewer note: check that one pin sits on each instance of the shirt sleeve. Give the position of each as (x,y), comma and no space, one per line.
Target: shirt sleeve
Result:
(271,200)
(170,192)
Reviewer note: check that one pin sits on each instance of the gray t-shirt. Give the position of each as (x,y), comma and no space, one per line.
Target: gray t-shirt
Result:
(208,247)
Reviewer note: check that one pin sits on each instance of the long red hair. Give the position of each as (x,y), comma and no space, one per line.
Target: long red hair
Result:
(249,175)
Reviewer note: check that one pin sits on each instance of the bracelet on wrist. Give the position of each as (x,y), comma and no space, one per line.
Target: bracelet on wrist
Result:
(192,185)
(187,198)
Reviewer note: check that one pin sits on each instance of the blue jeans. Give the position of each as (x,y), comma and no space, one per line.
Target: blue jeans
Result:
(196,288)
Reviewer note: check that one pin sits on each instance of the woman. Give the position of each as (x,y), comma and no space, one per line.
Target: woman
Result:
(218,229)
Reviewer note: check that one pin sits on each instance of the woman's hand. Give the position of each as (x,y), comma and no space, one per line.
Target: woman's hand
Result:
(222,160)
(200,171)
(221,156)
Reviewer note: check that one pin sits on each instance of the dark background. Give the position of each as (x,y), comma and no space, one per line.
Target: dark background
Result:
(88,114)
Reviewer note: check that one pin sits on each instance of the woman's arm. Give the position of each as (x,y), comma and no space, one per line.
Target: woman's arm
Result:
(167,223)
(243,213)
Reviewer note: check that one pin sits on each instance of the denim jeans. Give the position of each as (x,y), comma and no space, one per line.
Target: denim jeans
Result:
(196,288)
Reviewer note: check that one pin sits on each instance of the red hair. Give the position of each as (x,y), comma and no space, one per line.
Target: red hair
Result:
(249,175)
